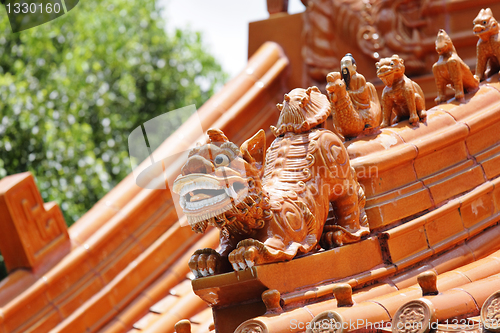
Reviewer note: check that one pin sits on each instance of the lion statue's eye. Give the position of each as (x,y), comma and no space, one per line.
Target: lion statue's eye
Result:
(221,160)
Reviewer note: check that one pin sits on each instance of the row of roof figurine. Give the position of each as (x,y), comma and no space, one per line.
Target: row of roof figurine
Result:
(355,104)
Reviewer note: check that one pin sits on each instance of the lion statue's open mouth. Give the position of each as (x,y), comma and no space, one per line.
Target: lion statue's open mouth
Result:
(218,187)
(200,192)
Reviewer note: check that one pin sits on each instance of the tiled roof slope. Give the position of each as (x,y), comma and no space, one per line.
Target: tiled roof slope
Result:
(448,236)
(431,188)
(129,249)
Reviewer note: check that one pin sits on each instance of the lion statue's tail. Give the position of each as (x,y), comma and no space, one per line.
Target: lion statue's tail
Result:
(335,235)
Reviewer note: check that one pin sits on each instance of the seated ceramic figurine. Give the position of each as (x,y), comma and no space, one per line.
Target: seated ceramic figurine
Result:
(272,211)
(451,69)
(488,46)
(401,95)
(355,104)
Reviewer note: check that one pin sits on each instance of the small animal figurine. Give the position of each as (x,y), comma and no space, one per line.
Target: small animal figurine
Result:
(401,95)
(451,69)
(355,104)
(488,46)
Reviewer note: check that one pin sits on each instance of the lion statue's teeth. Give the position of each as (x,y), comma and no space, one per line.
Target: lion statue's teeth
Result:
(192,205)
(231,192)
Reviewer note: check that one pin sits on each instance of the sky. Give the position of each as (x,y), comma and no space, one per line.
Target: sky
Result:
(224,24)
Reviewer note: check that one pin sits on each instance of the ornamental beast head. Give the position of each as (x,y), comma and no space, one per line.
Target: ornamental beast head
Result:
(444,43)
(485,24)
(390,70)
(220,185)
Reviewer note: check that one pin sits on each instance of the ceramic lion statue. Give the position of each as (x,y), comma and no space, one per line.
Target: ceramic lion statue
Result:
(272,205)
(451,69)
(488,46)
(401,95)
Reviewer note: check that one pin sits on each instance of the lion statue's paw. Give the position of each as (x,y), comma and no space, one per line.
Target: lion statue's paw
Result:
(205,262)
(334,236)
(248,253)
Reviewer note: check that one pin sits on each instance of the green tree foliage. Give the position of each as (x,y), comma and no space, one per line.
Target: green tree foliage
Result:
(73,89)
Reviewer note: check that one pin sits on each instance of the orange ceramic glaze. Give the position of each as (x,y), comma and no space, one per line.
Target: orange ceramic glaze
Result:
(451,69)
(31,231)
(432,194)
(457,303)
(281,206)
(401,95)
(488,46)
(355,104)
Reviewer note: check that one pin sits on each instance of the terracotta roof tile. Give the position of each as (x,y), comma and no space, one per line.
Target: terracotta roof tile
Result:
(2,319)
(23,311)
(484,243)
(480,290)
(84,291)
(479,270)
(446,157)
(134,311)
(202,317)
(359,147)
(409,278)
(14,284)
(459,182)
(187,307)
(461,302)
(165,304)
(437,121)
(146,321)
(375,290)
(451,260)
(100,213)
(114,326)
(156,291)
(182,288)
(389,301)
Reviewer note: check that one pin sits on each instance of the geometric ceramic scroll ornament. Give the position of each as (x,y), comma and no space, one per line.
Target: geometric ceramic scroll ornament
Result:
(30,230)
(327,322)
(490,313)
(417,316)
(251,326)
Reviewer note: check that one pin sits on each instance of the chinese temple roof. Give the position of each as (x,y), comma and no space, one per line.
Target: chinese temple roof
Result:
(433,205)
